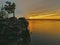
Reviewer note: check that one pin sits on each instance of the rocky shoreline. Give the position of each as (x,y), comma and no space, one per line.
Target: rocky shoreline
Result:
(14,31)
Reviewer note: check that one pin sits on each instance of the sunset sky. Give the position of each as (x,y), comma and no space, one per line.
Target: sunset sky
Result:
(35,7)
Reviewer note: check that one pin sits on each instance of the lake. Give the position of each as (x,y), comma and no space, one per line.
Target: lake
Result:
(45,31)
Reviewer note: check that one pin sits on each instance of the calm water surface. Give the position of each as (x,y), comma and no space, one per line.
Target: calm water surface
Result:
(45,32)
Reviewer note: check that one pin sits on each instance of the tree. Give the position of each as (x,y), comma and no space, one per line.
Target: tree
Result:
(10,8)
(3,14)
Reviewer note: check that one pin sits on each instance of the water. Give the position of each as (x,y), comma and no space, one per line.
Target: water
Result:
(45,32)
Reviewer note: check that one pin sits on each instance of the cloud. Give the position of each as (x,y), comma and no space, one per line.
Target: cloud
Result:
(35,6)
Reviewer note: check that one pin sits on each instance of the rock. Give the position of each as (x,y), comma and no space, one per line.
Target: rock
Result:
(14,30)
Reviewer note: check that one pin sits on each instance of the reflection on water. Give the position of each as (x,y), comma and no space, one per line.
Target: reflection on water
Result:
(45,32)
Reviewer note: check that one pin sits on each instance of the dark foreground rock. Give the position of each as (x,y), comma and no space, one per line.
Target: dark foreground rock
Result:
(14,31)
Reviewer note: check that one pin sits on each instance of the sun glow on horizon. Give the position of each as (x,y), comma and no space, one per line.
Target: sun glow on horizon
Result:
(48,16)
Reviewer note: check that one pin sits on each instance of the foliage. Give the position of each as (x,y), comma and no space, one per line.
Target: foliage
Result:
(10,7)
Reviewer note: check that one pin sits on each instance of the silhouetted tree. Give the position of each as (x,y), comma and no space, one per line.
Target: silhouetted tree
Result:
(10,8)
(2,13)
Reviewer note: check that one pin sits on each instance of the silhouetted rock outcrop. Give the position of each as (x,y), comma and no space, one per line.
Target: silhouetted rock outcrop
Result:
(14,31)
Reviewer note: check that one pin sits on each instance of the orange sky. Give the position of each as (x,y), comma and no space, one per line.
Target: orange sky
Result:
(35,7)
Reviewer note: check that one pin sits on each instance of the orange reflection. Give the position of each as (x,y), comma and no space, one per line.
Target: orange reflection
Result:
(45,26)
